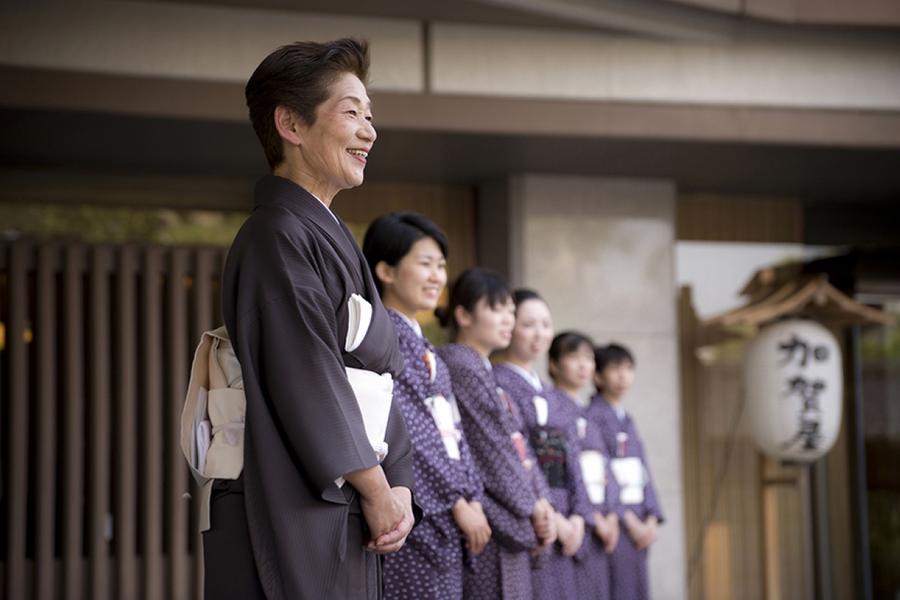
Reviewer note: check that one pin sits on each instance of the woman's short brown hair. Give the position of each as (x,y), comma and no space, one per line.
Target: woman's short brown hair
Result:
(297,76)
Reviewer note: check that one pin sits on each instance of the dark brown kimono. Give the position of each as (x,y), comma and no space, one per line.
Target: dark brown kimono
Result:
(288,277)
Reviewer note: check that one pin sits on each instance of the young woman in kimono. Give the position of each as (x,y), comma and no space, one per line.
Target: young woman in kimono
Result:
(315,504)
(408,255)
(481,317)
(571,362)
(549,419)
(641,512)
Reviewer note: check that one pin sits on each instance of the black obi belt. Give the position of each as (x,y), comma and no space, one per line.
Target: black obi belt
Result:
(550,448)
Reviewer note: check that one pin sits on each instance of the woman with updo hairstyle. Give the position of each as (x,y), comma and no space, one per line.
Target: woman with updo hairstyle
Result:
(408,255)
(480,317)
(317,501)
(571,363)
(549,419)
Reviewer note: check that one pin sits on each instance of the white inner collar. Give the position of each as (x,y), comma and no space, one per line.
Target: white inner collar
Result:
(411,322)
(328,208)
(529,376)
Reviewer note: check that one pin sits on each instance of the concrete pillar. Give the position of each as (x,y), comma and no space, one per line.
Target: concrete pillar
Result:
(601,251)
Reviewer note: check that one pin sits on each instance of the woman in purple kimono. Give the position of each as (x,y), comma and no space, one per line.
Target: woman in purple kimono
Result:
(549,420)
(481,317)
(572,367)
(408,255)
(641,512)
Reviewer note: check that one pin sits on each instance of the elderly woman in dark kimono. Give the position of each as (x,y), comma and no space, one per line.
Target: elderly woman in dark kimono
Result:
(407,254)
(314,506)
(515,492)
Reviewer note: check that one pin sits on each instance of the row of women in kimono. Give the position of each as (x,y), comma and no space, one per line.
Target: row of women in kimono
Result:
(525,493)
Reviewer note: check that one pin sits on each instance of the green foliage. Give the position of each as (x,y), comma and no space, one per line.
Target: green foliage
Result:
(97,224)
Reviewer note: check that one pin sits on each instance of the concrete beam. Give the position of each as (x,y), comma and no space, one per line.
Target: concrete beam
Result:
(224,101)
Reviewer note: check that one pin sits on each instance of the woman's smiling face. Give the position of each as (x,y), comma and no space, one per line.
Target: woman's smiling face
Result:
(336,146)
(488,327)
(533,331)
(418,279)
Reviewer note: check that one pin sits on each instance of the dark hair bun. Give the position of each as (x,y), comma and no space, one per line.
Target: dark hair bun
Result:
(443,315)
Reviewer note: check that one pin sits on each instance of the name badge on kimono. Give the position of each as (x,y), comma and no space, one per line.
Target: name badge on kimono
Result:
(593,472)
(442,413)
(431,365)
(629,473)
(541,410)
(518,441)
(581,427)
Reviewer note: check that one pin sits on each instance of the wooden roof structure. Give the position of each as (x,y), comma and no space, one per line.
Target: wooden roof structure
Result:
(786,291)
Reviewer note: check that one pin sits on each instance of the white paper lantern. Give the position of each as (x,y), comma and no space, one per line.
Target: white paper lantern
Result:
(794,384)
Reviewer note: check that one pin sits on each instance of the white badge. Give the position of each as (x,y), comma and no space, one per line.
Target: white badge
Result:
(629,473)
(593,472)
(541,410)
(581,427)
(442,413)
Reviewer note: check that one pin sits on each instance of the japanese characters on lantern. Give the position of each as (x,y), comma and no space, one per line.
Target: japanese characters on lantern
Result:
(794,386)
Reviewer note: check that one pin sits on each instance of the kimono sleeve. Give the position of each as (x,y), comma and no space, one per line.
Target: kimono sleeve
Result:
(305,386)
(512,532)
(436,487)
(502,473)
(398,464)
(580,502)
(651,501)
(474,490)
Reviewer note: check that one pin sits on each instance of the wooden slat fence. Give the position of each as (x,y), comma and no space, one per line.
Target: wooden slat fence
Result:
(95,344)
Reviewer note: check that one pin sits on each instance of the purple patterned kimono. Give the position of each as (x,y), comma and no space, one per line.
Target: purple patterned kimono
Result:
(556,446)
(511,489)
(592,567)
(430,564)
(628,564)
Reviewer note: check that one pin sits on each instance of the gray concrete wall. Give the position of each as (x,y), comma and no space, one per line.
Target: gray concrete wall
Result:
(601,251)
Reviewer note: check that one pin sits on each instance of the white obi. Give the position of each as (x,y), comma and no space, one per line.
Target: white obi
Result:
(593,472)
(630,475)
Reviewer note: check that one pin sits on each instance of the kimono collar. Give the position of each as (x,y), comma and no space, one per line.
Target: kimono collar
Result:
(413,324)
(529,376)
(279,191)
(328,208)
(621,413)
(461,354)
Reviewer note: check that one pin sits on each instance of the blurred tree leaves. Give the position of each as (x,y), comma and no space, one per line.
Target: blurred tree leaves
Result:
(104,224)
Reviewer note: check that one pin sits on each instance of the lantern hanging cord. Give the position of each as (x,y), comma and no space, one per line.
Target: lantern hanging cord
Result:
(717,488)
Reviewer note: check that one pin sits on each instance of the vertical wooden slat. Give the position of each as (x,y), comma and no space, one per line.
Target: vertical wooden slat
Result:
(176,505)
(16,583)
(125,526)
(45,336)
(151,425)
(73,423)
(202,317)
(100,362)
(4,393)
